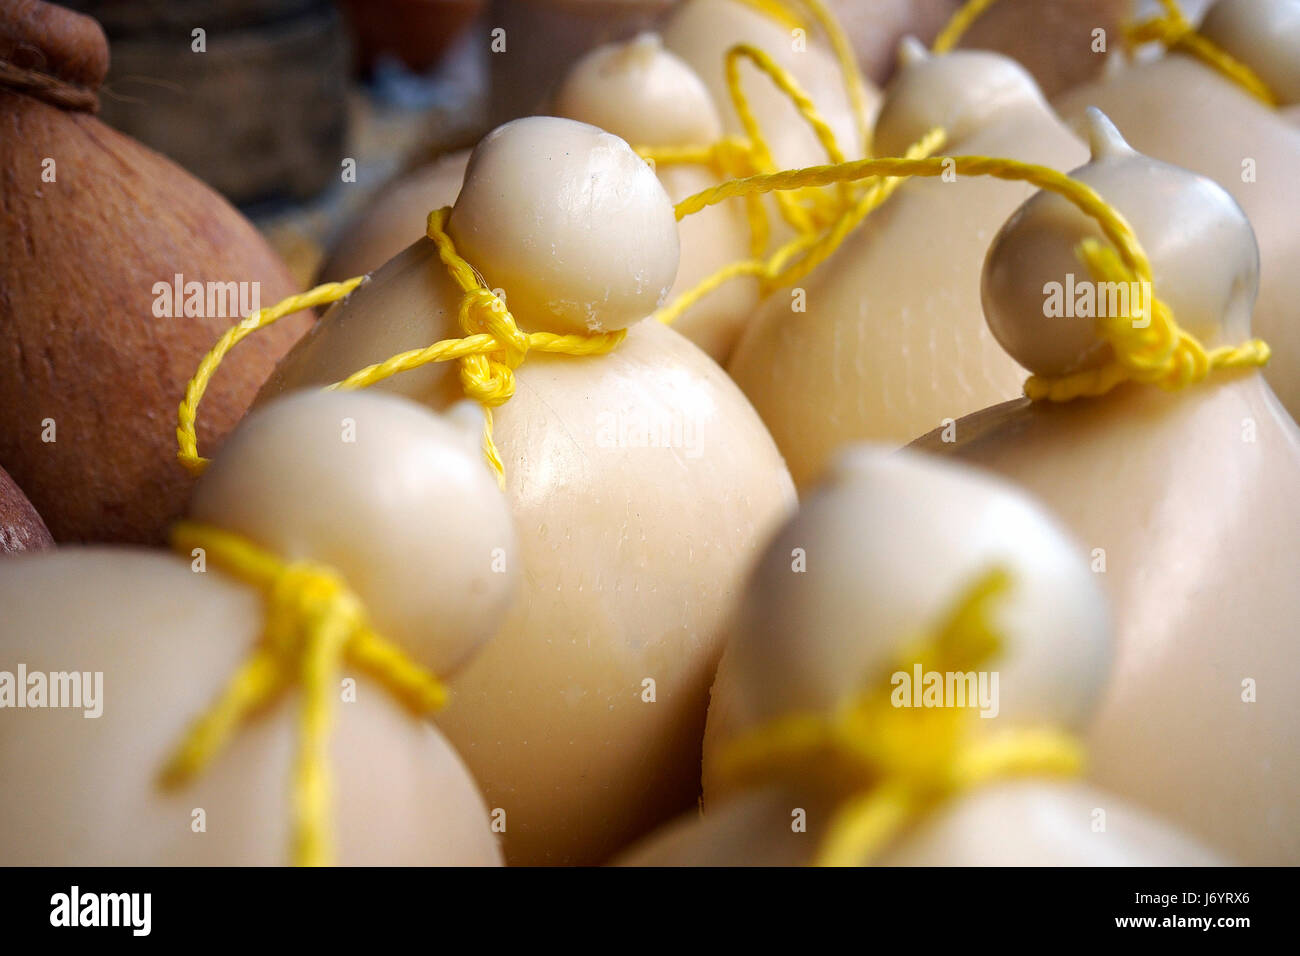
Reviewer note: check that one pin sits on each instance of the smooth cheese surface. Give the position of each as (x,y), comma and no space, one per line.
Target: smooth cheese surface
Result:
(81,792)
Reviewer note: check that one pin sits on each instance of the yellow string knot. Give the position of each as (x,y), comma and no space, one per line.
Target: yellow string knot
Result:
(896,763)
(490,379)
(313,622)
(1147,344)
(487,378)
(301,594)
(493,347)
(1174,31)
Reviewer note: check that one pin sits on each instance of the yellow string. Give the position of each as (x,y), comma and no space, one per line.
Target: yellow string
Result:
(898,763)
(788,15)
(818,232)
(1150,349)
(760,157)
(854,82)
(492,348)
(800,255)
(1156,353)
(186,434)
(313,623)
(1173,31)
(806,212)
(959,23)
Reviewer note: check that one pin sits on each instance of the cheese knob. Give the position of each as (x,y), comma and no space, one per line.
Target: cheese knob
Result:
(641,92)
(959,91)
(1263,34)
(388,494)
(876,559)
(570,222)
(1040,299)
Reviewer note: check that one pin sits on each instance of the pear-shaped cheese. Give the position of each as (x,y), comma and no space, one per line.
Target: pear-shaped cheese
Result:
(1182,111)
(874,558)
(648,96)
(871,562)
(702,31)
(395,501)
(640,481)
(1185,500)
(348,479)
(164,641)
(119,271)
(885,339)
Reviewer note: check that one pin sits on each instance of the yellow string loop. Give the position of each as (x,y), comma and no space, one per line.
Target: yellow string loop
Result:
(958,24)
(854,82)
(761,156)
(789,16)
(1173,31)
(800,255)
(1153,350)
(313,624)
(811,214)
(735,156)
(187,423)
(897,763)
(492,348)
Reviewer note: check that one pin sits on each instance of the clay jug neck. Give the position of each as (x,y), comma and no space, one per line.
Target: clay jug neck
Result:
(53,54)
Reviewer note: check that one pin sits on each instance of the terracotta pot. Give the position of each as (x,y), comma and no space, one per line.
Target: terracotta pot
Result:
(96,227)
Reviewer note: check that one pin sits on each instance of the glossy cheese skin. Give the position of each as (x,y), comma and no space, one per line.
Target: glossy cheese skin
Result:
(1189,499)
(891,340)
(641,482)
(81,791)
(1177,110)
